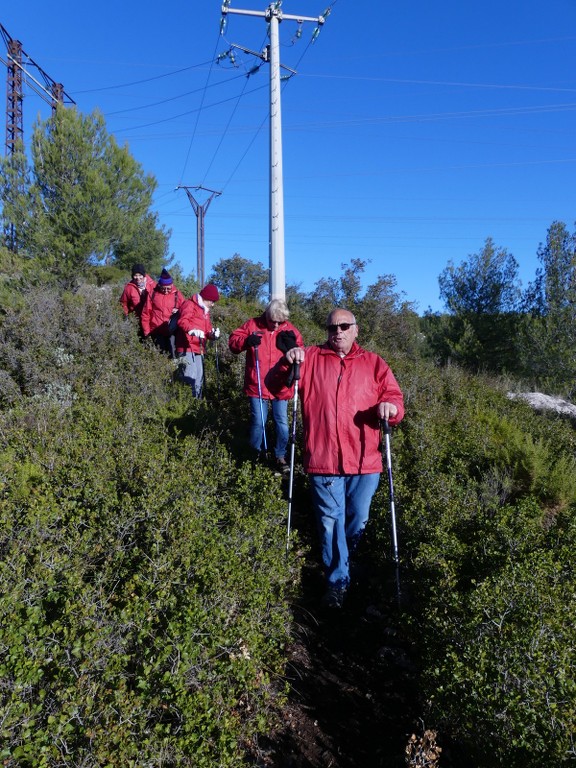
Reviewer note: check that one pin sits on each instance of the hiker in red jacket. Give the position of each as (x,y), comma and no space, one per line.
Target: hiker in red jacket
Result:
(345,391)
(194,329)
(164,301)
(137,291)
(258,336)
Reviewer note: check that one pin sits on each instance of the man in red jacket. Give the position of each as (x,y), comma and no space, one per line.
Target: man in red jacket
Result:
(258,337)
(345,391)
(194,329)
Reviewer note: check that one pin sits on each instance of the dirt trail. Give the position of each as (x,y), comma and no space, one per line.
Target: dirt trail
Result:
(352,703)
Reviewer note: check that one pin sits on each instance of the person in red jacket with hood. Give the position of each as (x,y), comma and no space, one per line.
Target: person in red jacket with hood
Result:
(345,391)
(194,329)
(164,301)
(259,336)
(137,291)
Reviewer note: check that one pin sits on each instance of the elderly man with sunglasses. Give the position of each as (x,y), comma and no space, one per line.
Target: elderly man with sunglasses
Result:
(345,392)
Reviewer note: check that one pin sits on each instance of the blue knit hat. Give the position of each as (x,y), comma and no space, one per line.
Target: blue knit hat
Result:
(165,278)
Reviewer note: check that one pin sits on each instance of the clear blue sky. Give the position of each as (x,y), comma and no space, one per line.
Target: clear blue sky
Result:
(412,132)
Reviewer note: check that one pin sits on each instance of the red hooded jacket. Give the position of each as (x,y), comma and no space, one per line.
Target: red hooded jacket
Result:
(268,354)
(133,300)
(158,309)
(339,397)
(193,317)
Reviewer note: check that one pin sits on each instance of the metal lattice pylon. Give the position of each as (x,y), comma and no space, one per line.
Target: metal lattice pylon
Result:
(14,96)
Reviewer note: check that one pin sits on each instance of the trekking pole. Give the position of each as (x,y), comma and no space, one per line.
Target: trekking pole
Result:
(261,402)
(217,369)
(385,432)
(295,377)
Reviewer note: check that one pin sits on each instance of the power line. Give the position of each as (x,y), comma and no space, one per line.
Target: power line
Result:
(198,112)
(273,15)
(185,114)
(146,80)
(171,98)
(18,67)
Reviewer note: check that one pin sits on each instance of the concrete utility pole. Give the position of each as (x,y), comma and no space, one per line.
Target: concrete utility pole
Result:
(273,15)
(200,211)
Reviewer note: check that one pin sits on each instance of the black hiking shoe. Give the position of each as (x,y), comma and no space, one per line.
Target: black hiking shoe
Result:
(334,598)
(282,467)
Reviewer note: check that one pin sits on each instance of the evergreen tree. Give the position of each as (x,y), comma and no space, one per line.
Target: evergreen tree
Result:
(330,292)
(90,200)
(239,278)
(16,197)
(482,296)
(549,351)
(388,323)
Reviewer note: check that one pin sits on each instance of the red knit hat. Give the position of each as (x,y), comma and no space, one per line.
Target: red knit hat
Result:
(210,292)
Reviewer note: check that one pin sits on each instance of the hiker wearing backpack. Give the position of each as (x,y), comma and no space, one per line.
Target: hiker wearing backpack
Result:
(164,301)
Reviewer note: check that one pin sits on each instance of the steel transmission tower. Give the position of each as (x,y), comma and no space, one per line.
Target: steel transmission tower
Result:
(200,211)
(18,66)
(14,96)
(273,15)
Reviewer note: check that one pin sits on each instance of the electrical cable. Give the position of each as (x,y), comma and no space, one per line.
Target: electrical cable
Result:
(165,101)
(247,75)
(199,111)
(224,133)
(239,163)
(184,114)
(147,80)
(258,130)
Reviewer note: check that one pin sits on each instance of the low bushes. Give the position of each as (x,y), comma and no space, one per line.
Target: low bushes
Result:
(143,609)
(487,501)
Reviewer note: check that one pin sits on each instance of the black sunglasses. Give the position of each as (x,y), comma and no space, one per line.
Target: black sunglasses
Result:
(341,326)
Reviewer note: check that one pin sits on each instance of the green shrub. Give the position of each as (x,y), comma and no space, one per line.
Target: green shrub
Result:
(143,611)
(485,496)
(505,686)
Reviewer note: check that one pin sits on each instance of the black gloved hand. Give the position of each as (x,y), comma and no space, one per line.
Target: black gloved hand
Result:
(254,340)
(286,340)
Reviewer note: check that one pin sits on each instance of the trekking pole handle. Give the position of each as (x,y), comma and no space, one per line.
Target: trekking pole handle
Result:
(294,374)
(385,426)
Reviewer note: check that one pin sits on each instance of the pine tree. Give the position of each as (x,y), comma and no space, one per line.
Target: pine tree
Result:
(549,352)
(87,202)
(482,296)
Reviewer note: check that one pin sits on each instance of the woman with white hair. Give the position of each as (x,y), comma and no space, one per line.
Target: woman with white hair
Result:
(259,338)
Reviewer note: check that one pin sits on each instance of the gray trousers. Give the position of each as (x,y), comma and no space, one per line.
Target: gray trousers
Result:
(193,371)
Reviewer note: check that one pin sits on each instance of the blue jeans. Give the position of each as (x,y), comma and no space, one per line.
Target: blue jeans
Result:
(280,419)
(193,371)
(342,504)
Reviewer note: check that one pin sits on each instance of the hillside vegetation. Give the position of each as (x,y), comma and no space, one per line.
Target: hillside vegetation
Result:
(146,592)
(149,611)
